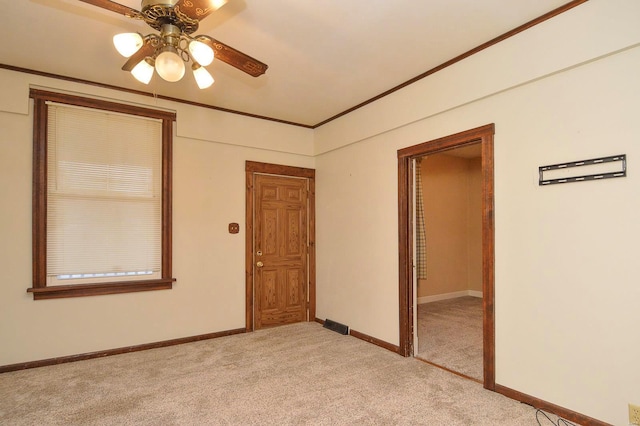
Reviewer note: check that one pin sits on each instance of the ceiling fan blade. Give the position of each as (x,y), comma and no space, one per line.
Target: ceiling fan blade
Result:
(146,50)
(234,57)
(198,9)
(113,7)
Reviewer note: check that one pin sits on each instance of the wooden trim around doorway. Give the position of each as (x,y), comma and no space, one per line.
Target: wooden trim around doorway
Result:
(252,167)
(484,136)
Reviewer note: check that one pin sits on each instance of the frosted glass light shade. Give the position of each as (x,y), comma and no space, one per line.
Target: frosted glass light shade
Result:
(217,4)
(202,76)
(127,43)
(200,52)
(143,71)
(170,65)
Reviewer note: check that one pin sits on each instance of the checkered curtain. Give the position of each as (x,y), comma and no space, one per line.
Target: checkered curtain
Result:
(421,236)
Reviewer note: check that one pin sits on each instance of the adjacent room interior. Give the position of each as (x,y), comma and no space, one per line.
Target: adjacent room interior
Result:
(449,260)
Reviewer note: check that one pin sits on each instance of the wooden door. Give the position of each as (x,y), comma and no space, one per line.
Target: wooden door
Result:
(280,250)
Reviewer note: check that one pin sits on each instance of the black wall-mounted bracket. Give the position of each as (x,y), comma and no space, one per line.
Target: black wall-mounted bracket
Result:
(601,168)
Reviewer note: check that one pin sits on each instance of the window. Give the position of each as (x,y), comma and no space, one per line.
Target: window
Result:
(101,197)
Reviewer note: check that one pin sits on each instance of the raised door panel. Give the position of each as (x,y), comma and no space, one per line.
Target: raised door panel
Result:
(269,232)
(294,287)
(269,289)
(294,233)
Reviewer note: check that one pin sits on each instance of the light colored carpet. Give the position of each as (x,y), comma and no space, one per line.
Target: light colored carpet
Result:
(300,374)
(450,334)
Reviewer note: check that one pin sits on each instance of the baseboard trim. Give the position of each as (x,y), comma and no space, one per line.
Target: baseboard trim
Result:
(375,341)
(368,339)
(549,407)
(510,393)
(445,296)
(118,351)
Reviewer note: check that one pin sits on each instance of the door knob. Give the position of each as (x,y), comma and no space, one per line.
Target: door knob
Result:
(259,264)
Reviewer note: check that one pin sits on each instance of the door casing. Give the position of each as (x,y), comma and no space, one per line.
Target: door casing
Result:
(252,168)
(484,136)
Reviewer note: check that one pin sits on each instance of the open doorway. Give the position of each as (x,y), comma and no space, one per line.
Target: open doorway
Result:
(448,260)
(407,283)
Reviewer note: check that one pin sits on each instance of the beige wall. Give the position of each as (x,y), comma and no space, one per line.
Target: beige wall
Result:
(453,222)
(566,282)
(208,262)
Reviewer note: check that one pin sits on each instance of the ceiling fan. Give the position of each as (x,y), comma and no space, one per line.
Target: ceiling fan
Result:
(168,51)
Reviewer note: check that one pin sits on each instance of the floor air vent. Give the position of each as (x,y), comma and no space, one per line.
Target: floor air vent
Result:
(336,326)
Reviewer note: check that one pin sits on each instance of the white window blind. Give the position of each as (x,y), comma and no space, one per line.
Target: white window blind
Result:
(104,196)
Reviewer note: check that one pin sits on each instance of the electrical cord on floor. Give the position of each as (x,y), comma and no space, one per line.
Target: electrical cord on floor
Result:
(561,421)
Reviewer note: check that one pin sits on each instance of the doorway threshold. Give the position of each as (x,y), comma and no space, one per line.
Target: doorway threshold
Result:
(464,376)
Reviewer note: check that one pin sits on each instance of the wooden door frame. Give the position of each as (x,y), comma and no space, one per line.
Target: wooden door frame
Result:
(252,167)
(484,136)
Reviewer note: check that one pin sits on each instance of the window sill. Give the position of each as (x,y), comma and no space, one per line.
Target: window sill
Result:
(82,290)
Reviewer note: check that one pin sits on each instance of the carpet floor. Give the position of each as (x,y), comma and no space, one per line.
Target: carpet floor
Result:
(450,334)
(300,374)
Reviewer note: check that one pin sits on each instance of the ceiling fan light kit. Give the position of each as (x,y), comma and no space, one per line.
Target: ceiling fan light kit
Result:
(171,49)
(143,71)
(202,76)
(201,53)
(169,64)
(127,43)
(167,52)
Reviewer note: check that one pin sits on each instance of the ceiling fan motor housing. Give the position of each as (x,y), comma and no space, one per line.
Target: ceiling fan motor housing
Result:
(157,13)
(166,3)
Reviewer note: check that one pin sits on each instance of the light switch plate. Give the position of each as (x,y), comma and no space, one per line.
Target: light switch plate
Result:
(234,228)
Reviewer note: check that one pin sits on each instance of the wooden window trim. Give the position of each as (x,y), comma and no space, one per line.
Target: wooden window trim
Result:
(39,248)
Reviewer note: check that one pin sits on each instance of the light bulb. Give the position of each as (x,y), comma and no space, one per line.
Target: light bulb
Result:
(217,4)
(200,52)
(170,65)
(202,76)
(143,71)
(127,43)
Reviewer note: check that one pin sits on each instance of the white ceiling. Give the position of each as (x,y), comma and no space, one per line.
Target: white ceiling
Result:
(324,56)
